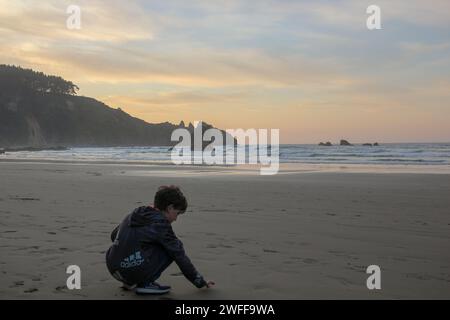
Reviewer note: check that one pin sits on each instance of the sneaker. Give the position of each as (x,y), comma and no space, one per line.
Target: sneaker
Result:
(152,288)
(128,287)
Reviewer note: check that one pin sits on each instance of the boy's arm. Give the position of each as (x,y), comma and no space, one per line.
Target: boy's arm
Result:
(175,249)
(114,233)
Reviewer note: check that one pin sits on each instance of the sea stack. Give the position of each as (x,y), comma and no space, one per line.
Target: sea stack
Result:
(345,143)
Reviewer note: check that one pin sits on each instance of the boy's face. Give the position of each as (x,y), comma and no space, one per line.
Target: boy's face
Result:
(172,214)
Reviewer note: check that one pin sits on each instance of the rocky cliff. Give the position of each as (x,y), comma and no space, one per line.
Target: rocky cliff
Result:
(38,110)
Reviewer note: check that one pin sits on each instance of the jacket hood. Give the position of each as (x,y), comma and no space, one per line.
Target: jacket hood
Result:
(145,215)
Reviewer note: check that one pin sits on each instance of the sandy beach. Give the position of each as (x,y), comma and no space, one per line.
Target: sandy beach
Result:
(296,235)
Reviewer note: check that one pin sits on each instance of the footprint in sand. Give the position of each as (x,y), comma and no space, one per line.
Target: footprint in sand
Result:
(356,267)
(17,284)
(213,246)
(270,251)
(341,280)
(215,210)
(28,248)
(423,276)
(177,274)
(296,258)
(25,198)
(31,290)
(254,256)
(260,287)
(97,174)
(309,260)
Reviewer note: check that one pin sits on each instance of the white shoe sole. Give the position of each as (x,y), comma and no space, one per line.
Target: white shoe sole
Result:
(128,287)
(150,291)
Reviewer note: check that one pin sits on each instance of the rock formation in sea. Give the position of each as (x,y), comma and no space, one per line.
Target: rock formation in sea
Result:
(345,143)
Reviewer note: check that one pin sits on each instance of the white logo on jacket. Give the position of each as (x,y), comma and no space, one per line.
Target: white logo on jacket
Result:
(133,260)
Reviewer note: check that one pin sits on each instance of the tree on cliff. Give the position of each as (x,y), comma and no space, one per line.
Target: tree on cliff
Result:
(15,79)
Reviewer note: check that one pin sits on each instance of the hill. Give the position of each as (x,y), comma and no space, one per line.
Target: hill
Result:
(37,110)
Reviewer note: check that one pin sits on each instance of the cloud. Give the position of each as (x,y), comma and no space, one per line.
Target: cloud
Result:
(424,48)
(417,12)
(186,97)
(352,13)
(202,67)
(100,21)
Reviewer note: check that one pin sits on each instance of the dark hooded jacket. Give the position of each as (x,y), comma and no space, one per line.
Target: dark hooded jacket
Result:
(143,239)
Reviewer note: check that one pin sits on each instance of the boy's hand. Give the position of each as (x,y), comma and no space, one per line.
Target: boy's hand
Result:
(209,284)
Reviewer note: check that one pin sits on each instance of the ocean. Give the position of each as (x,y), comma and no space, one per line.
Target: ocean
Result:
(386,154)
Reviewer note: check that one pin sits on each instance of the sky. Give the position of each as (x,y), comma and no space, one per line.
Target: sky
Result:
(311,69)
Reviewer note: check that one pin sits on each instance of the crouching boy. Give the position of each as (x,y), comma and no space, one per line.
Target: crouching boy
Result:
(144,245)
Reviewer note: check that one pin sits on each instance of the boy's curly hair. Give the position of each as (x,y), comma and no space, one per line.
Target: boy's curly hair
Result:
(170,195)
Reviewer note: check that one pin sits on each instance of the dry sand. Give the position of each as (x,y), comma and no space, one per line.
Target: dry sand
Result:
(297,235)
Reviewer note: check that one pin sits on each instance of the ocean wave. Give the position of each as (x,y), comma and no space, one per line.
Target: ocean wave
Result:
(409,160)
(426,154)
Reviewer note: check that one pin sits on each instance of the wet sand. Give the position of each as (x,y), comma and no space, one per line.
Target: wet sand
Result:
(296,235)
